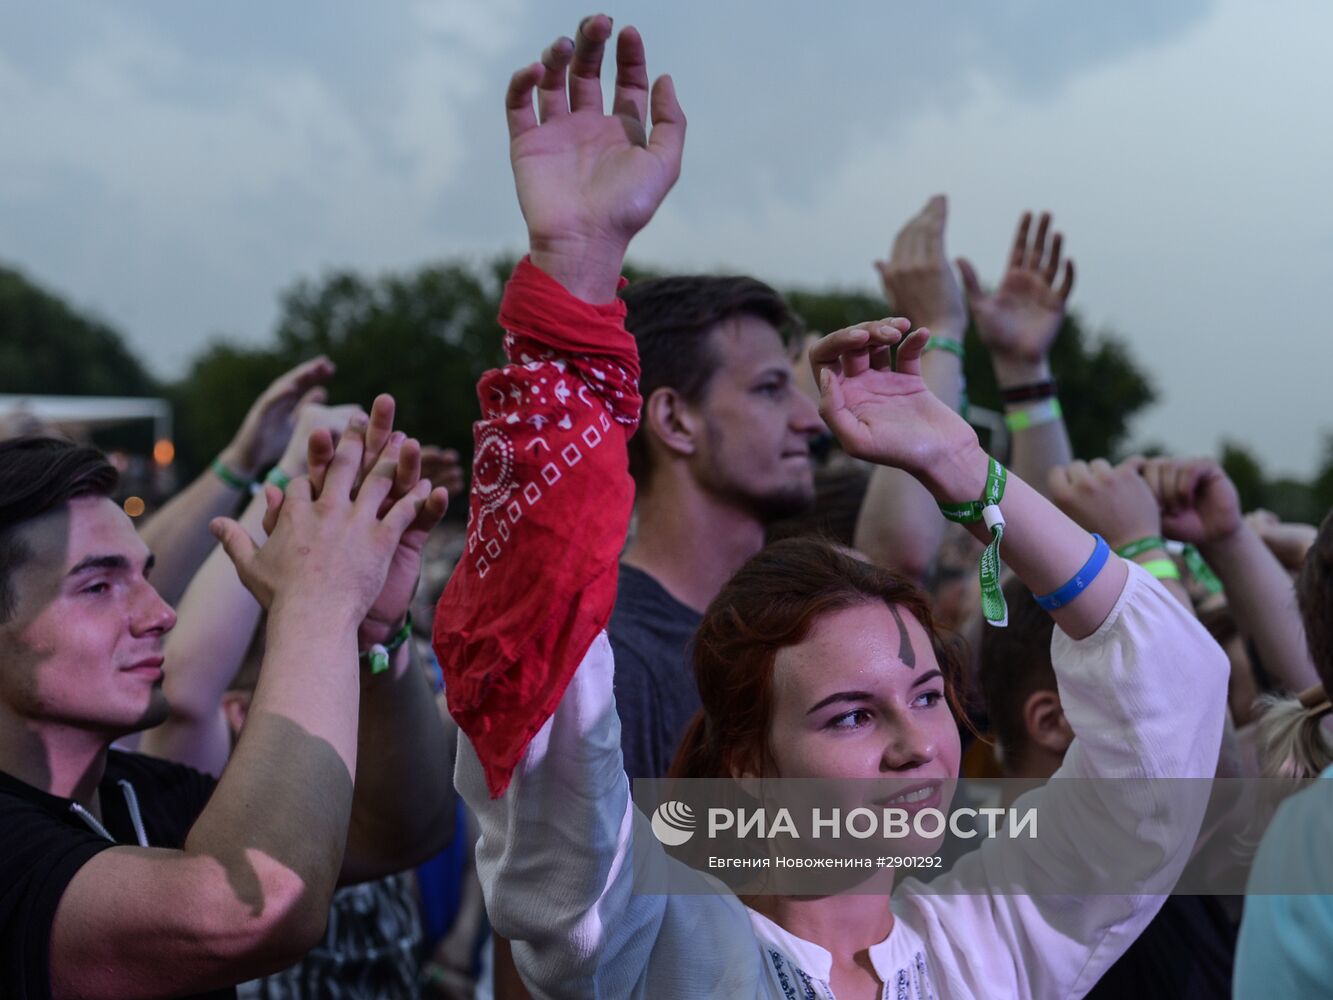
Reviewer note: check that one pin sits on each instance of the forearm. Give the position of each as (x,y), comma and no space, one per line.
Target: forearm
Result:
(1261,596)
(899,526)
(1038,448)
(403,807)
(286,793)
(1043,547)
(217,620)
(178,533)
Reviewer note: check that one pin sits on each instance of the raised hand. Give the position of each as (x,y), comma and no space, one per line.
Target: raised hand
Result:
(917,278)
(268,426)
(588,181)
(331,548)
(391,454)
(1199,502)
(1018,322)
(1115,502)
(879,406)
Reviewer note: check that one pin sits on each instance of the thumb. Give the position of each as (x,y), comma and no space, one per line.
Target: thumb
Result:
(236,542)
(970,283)
(315,394)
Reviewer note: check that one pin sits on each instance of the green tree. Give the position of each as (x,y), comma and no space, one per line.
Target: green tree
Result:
(1245,471)
(48,348)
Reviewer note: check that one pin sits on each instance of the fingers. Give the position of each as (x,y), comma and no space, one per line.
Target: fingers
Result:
(519,112)
(1067,285)
(346,463)
(273,498)
(1020,247)
(317,395)
(970,283)
(443,468)
(631,94)
(405,509)
(378,431)
(908,359)
(408,470)
(1052,265)
(319,453)
(935,217)
(1037,251)
(552,98)
(833,350)
(668,138)
(235,541)
(1100,467)
(585,75)
(430,514)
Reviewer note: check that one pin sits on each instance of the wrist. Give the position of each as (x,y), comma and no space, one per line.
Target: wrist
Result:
(958,476)
(944,327)
(374,631)
(1230,541)
(589,269)
(237,460)
(1011,371)
(314,612)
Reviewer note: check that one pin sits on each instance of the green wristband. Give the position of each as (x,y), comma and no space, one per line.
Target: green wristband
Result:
(1141,546)
(987,509)
(377,656)
(945,344)
(1163,569)
(1047,411)
(1201,571)
(278,478)
(232,478)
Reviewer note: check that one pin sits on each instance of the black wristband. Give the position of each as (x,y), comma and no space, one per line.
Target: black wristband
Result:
(1030,393)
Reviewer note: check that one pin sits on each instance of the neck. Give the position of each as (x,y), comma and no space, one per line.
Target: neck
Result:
(689,541)
(846,925)
(58,760)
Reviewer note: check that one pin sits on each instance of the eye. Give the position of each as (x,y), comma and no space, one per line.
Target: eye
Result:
(100,587)
(854,719)
(770,389)
(928,699)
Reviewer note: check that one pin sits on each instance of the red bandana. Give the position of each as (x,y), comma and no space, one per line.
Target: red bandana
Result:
(548,514)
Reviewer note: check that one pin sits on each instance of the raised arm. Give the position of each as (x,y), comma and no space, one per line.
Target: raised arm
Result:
(250,891)
(1200,506)
(899,526)
(1017,324)
(216,621)
(178,533)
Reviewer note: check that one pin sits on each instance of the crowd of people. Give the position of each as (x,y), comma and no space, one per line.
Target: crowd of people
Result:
(298,736)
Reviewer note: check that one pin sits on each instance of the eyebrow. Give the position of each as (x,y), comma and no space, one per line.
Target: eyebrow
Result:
(118,563)
(928,676)
(783,374)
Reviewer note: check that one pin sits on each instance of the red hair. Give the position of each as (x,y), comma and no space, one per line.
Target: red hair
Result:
(773,601)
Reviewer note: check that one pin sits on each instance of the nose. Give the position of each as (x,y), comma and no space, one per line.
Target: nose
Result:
(805,419)
(151,613)
(909,746)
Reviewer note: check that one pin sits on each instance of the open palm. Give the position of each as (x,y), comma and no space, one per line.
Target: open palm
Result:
(588,181)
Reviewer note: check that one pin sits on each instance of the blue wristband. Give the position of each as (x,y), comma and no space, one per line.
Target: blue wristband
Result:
(1081,580)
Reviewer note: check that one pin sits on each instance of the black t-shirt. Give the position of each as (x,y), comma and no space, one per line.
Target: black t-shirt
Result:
(43,844)
(656,696)
(1185,953)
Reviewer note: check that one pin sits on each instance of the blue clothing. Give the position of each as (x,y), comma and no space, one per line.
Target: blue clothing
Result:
(1286,942)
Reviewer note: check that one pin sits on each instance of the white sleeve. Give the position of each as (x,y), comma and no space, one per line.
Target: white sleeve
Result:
(1146,697)
(554,858)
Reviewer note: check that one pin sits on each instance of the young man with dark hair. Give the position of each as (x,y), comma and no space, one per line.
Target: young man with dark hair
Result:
(722,450)
(228,879)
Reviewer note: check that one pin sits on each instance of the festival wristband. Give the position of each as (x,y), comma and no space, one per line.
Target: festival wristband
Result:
(1045,412)
(232,478)
(954,347)
(377,656)
(987,509)
(1080,581)
(1141,546)
(945,344)
(278,478)
(1201,571)
(1163,569)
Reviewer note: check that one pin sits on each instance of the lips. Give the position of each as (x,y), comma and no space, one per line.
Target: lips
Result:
(923,795)
(150,667)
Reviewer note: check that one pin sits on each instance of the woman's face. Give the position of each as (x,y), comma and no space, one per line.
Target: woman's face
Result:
(862,697)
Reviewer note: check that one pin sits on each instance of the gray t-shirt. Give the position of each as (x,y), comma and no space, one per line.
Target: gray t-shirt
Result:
(651,633)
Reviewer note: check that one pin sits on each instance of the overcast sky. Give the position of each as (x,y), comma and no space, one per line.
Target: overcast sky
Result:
(172,166)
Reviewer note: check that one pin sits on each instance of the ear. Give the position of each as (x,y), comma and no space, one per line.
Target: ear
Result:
(235,708)
(1045,723)
(673,423)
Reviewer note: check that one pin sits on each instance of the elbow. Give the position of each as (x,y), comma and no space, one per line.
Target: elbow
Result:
(267,925)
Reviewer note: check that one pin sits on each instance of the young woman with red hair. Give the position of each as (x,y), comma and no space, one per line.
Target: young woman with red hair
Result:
(810,664)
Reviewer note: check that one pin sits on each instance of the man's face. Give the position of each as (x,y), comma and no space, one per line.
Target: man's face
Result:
(757,424)
(83,648)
